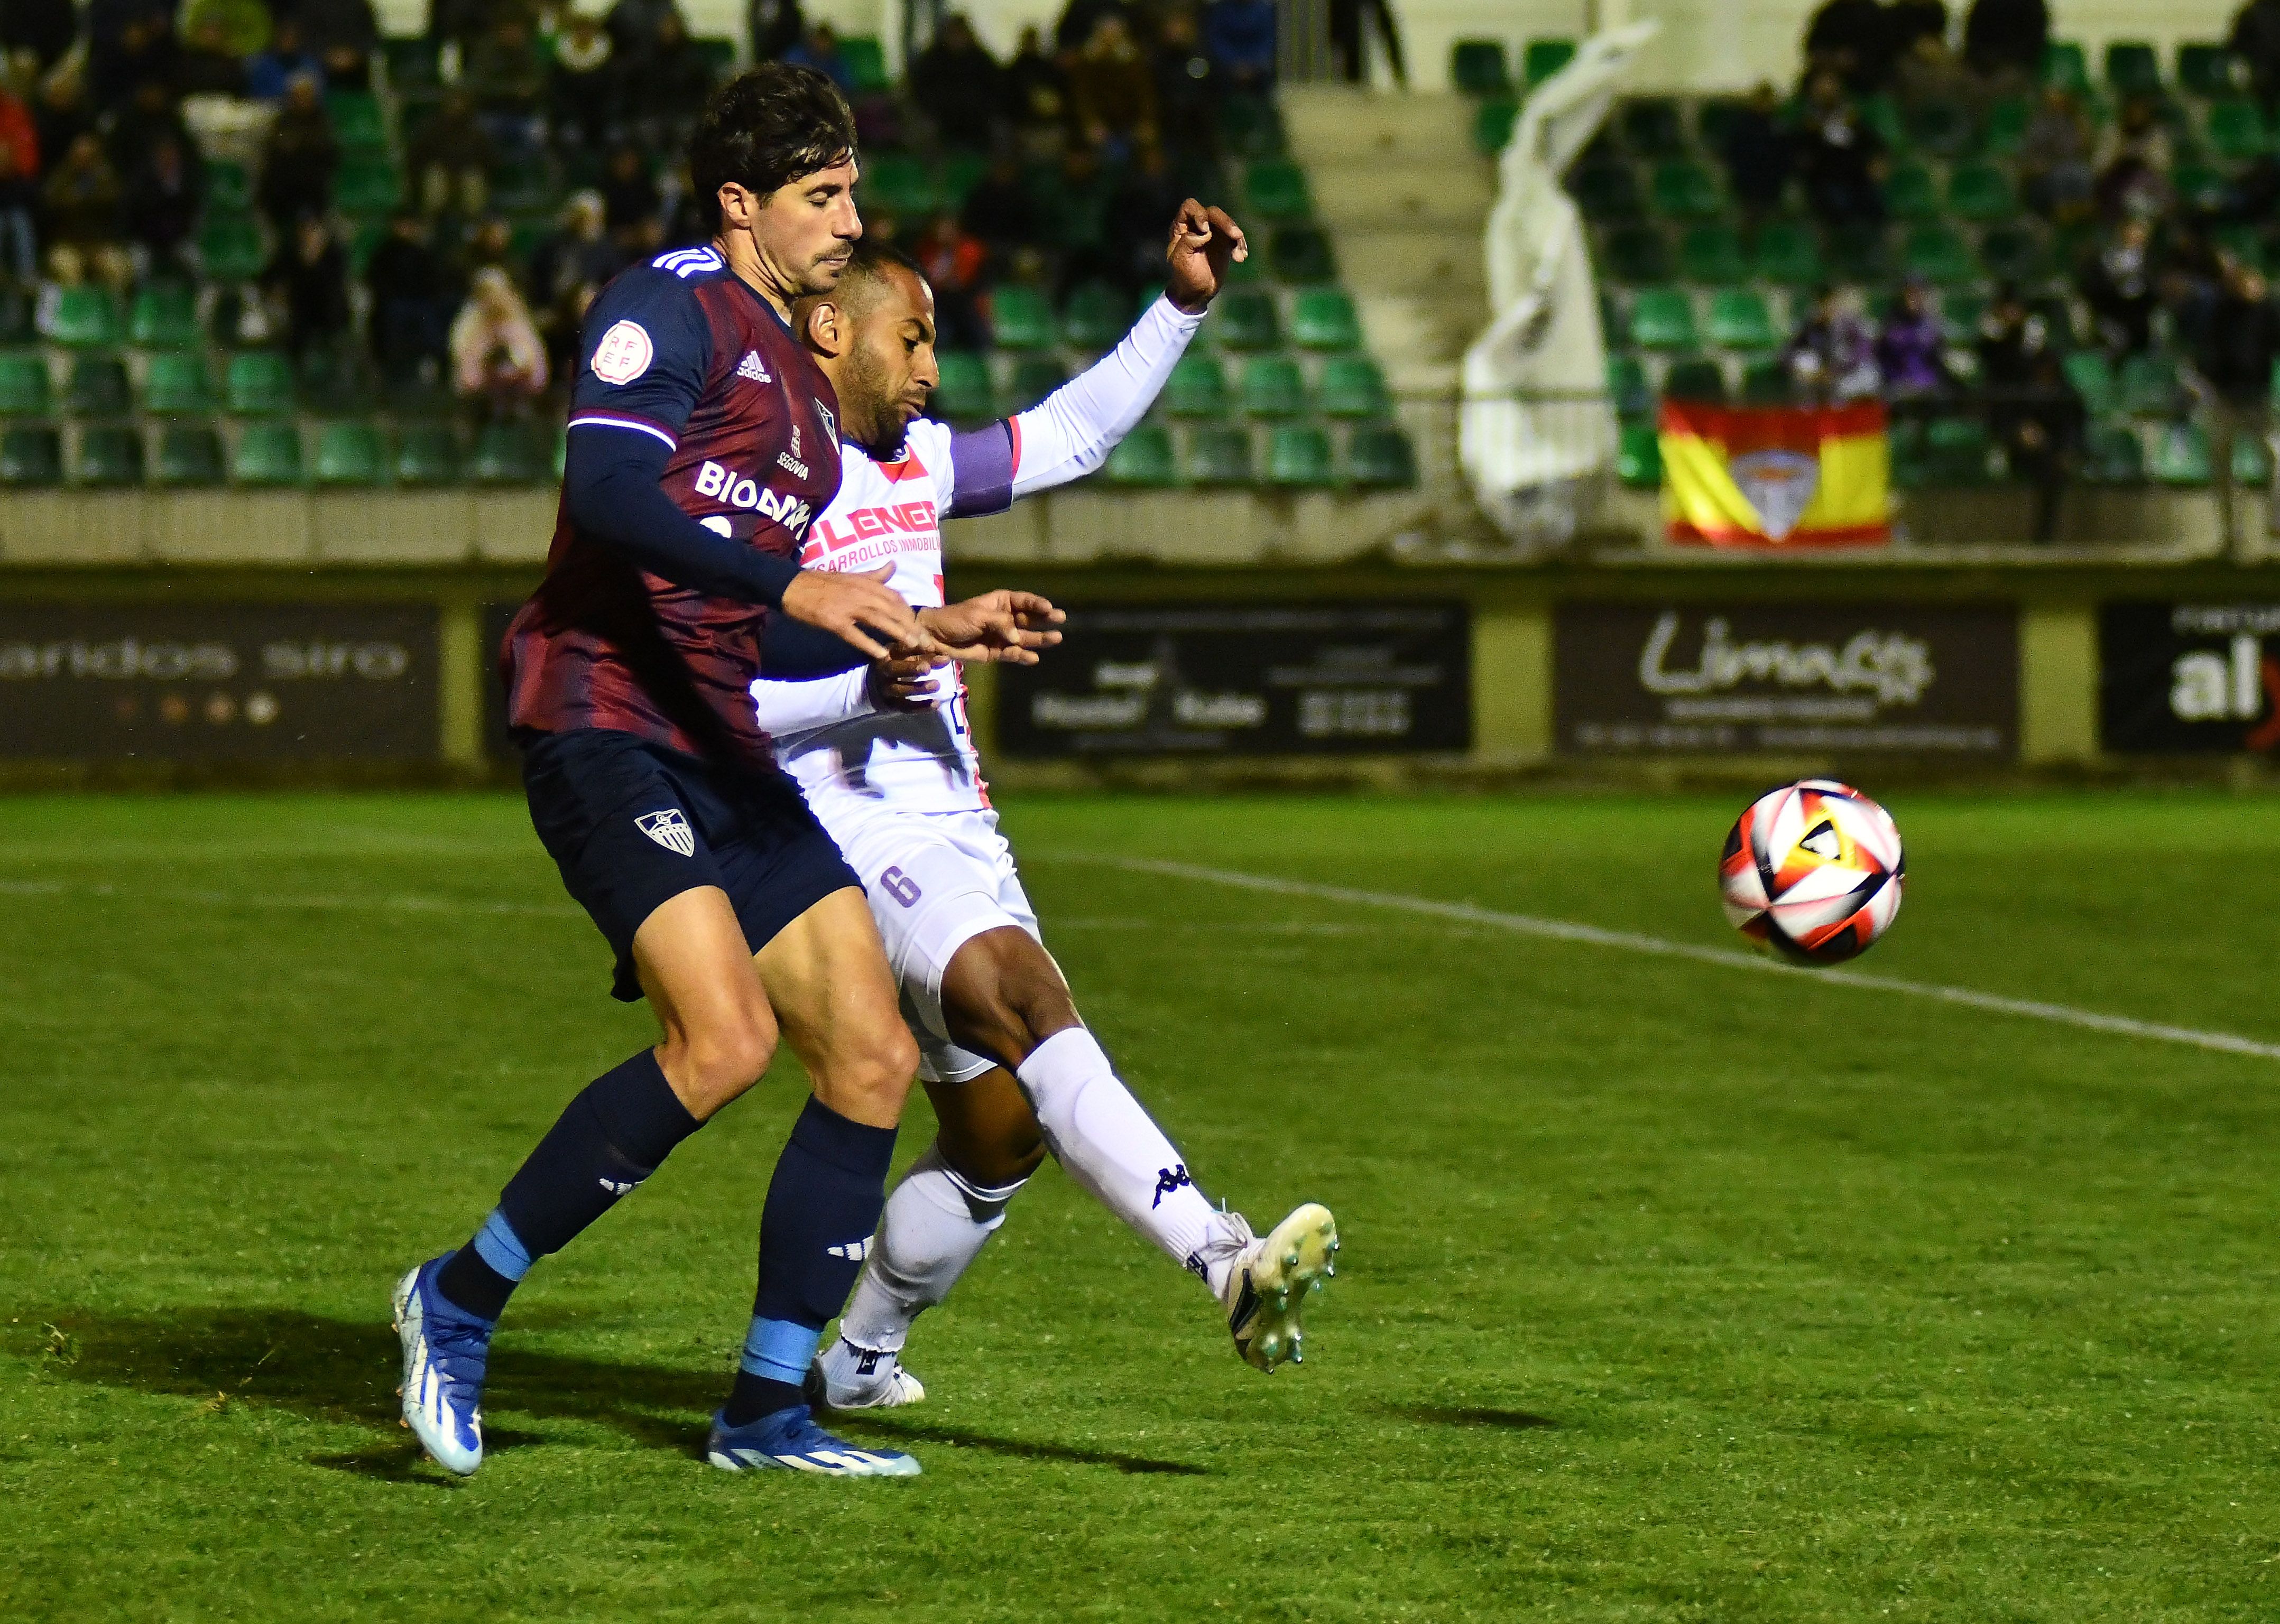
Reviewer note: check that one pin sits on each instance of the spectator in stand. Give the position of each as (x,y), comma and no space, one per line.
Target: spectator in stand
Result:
(1841,158)
(61,115)
(81,200)
(1911,349)
(2243,339)
(1239,35)
(1832,356)
(579,253)
(166,186)
(952,262)
(506,77)
(2118,285)
(270,76)
(307,279)
(1187,91)
(1037,96)
(1074,24)
(2010,337)
(1926,72)
(633,25)
(629,194)
(299,157)
(773,28)
(412,299)
(2040,430)
(583,89)
(208,67)
(2003,42)
(1112,92)
(1075,206)
(2255,39)
(2133,172)
(1852,39)
(1348,20)
(449,160)
(2055,158)
(128,42)
(20,188)
(1001,212)
(1909,21)
(150,115)
(820,51)
(243,26)
(1759,154)
(1146,198)
(665,95)
(498,361)
(44,27)
(490,247)
(684,224)
(960,84)
(343,35)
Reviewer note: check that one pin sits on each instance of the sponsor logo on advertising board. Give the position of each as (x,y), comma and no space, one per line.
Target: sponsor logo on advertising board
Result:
(2188,677)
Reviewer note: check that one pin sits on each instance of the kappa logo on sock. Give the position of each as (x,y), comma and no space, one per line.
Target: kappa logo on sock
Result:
(854,1251)
(869,1363)
(669,829)
(1170,1178)
(1196,1266)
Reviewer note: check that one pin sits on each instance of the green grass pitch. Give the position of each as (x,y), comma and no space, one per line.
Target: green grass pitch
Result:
(1670,1291)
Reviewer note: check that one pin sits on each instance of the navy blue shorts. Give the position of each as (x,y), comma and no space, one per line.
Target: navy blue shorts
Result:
(632,824)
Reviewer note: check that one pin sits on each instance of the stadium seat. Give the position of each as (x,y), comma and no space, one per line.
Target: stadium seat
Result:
(97,388)
(367,183)
(165,316)
(190,454)
(963,397)
(2237,131)
(16,324)
(1020,319)
(1144,458)
(1714,121)
(2246,244)
(1860,253)
(1273,387)
(1710,256)
(24,385)
(357,121)
(1766,384)
(1242,320)
(109,455)
(267,454)
(259,383)
(1662,319)
(1881,113)
(2252,463)
(229,247)
(1492,122)
(1939,254)
(1638,457)
(2132,68)
(84,318)
(1197,388)
(1277,190)
(1352,386)
(1956,452)
(506,454)
(897,183)
(2064,67)
(1636,254)
(1380,457)
(2014,253)
(1684,189)
(1251,126)
(332,380)
(1094,319)
(1299,456)
(178,383)
(1740,320)
(2181,455)
(1651,127)
(2202,187)
(1324,318)
(1218,456)
(1787,255)
(2113,454)
(1981,193)
(427,454)
(31,454)
(2006,125)
(1543,57)
(1034,377)
(867,64)
(411,61)
(1627,389)
(351,454)
(1909,194)
(2206,71)
(1605,190)
(2149,386)
(1943,129)
(1698,378)
(720,56)
(1301,254)
(1478,67)
(2092,377)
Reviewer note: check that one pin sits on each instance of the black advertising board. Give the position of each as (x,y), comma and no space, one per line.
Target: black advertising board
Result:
(2188,677)
(1773,678)
(1246,680)
(219,681)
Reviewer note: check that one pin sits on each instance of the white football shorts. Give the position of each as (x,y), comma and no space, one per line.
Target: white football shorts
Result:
(935,881)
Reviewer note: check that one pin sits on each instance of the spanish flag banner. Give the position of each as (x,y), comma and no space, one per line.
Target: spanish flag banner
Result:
(1777,476)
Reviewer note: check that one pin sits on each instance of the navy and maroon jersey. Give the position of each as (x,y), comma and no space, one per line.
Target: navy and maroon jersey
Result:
(683,350)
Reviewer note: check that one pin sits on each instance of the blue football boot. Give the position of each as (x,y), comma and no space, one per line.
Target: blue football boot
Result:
(445,1350)
(791,1438)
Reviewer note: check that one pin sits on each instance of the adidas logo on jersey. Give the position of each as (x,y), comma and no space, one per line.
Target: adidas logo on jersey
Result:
(854,1251)
(742,491)
(751,367)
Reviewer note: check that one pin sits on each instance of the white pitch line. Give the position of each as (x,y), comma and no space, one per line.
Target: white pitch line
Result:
(1593,936)
(290,901)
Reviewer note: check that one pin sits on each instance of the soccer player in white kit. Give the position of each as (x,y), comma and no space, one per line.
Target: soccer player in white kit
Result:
(887,763)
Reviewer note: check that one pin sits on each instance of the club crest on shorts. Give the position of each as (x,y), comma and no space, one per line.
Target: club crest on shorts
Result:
(670,830)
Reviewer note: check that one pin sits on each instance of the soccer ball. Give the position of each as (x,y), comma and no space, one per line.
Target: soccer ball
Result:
(1812,871)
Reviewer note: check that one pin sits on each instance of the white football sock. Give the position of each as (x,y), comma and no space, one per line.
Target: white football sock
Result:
(1108,1144)
(935,1225)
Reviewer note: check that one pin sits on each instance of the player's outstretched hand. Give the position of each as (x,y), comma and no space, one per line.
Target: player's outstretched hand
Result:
(855,606)
(907,683)
(1006,627)
(1204,241)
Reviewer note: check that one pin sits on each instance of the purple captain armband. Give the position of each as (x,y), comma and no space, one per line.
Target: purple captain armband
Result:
(983,462)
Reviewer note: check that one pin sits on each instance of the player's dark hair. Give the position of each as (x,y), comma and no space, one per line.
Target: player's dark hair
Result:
(768,126)
(872,259)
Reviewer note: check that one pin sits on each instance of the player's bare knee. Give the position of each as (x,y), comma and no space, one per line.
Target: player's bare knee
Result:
(718,1060)
(867,1075)
(1005,1158)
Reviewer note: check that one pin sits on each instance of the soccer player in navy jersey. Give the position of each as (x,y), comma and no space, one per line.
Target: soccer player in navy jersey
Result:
(704,440)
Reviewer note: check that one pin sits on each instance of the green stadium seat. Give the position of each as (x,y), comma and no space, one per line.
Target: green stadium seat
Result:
(165,316)
(1636,254)
(2245,242)
(1638,457)
(332,380)
(1143,458)
(1301,254)
(84,318)
(1218,455)
(897,183)
(1299,456)
(97,388)
(411,60)
(1662,319)
(1627,386)
(351,454)
(2132,68)
(1035,377)
(2006,125)
(2014,253)
(720,54)
(2092,377)
(1020,319)
(1651,128)
(961,173)
(506,454)
(1324,318)
(1478,67)
(109,455)
(178,383)
(24,385)
(1094,319)
(1352,386)
(1273,387)
(190,454)
(1740,320)
(1197,388)
(1242,320)
(2181,455)
(1380,457)
(1684,189)
(2201,187)
(1981,193)
(1910,194)
(367,183)
(1956,452)
(1605,190)
(16,324)
(2113,454)
(1710,256)
(1698,378)
(1251,126)
(267,453)
(31,454)
(2252,463)
(2205,70)
(259,383)
(1542,58)
(1881,113)
(867,64)
(1860,253)
(1939,254)
(1787,254)
(2150,386)
(357,121)
(1943,129)
(1766,384)
(2064,67)
(1277,190)
(1714,118)
(427,454)
(1492,122)
(963,396)
(229,247)
(2237,131)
